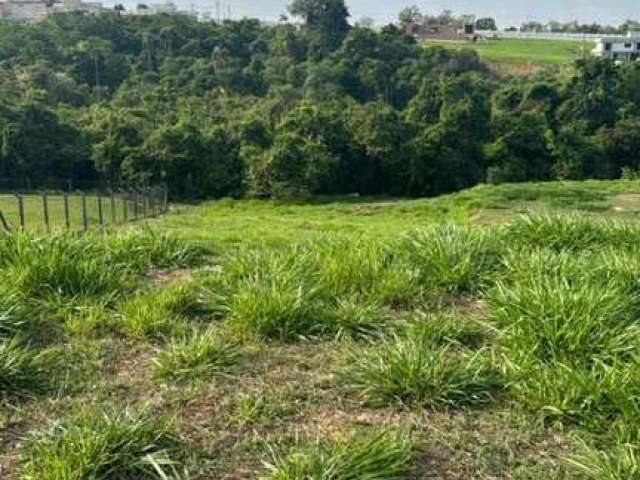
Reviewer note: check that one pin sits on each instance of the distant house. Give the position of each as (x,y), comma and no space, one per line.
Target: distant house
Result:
(619,48)
(33,10)
(459,29)
(169,8)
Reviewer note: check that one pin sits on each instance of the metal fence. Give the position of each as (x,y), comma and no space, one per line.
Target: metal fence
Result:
(77,210)
(574,37)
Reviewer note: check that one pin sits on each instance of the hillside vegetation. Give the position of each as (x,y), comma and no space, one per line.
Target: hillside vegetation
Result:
(246,109)
(491,333)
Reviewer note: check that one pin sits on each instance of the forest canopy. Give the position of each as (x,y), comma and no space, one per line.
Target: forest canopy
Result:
(316,107)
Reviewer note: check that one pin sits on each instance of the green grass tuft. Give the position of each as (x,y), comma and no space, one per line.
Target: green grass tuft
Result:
(619,463)
(21,371)
(409,371)
(379,456)
(570,232)
(160,313)
(453,258)
(555,318)
(101,445)
(198,356)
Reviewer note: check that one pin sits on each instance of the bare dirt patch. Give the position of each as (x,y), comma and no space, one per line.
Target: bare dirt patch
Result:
(161,278)
(626,202)
(491,217)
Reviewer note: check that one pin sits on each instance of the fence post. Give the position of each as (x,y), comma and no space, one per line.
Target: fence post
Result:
(67,217)
(135,204)
(4,222)
(152,201)
(85,220)
(125,212)
(113,207)
(20,210)
(45,210)
(165,198)
(145,192)
(100,217)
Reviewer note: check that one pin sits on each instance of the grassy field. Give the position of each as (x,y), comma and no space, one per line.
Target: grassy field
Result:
(520,51)
(487,334)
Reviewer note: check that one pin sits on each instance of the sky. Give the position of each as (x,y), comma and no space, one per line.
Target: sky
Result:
(506,12)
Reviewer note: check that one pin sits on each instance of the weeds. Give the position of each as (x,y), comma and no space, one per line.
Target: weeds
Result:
(441,329)
(619,463)
(556,319)
(198,356)
(409,371)
(571,232)
(161,313)
(378,456)
(455,259)
(21,371)
(101,446)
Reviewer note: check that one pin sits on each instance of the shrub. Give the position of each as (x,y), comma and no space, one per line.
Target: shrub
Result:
(380,456)
(199,355)
(409,371)
(101,445)
(21,371)
(456,259)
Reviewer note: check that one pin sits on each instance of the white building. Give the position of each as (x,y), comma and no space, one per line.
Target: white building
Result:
(24,10)
(169,8)
(619,48)
(34,10)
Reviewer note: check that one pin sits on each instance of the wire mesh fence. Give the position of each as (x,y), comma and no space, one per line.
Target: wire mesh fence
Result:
(57,209)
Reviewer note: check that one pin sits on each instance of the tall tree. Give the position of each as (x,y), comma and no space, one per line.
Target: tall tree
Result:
(326,20)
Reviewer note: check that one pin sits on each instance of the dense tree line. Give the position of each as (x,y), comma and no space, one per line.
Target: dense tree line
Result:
(242,108)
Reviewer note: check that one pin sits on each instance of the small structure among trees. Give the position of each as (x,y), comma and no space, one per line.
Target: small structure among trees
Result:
(445,26)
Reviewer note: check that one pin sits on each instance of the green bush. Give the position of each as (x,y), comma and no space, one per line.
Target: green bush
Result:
(380,456)
(200,355)
(101,445)
(410,371)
